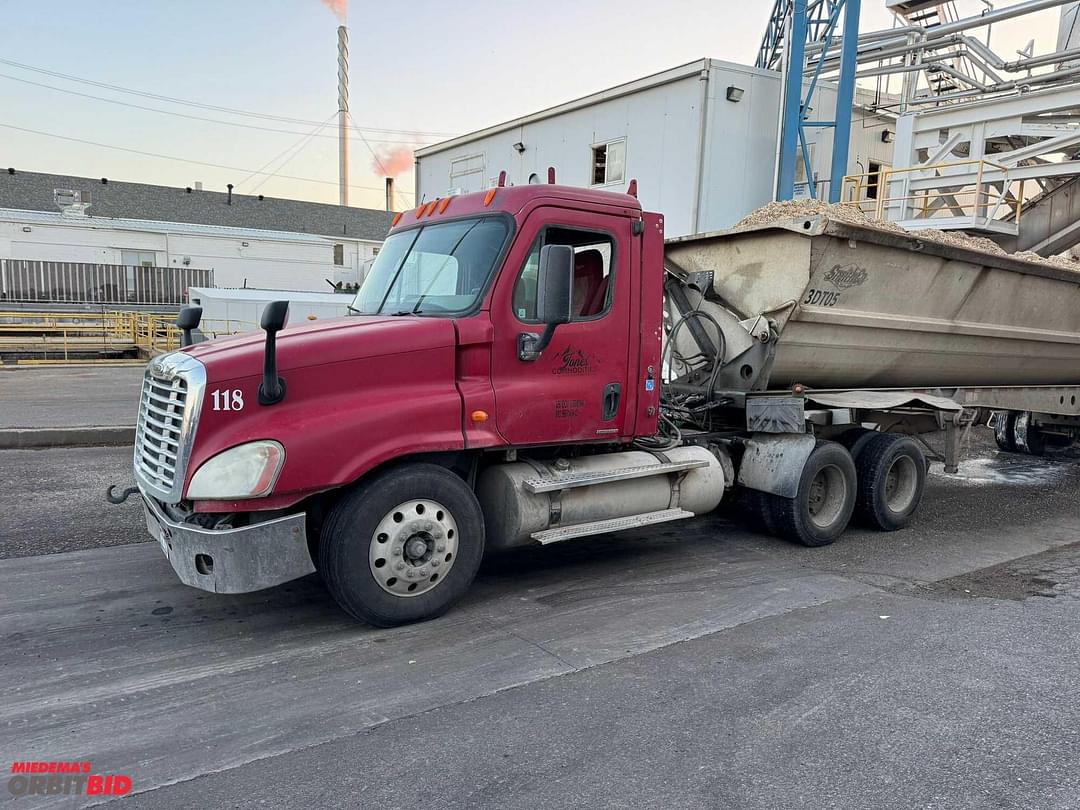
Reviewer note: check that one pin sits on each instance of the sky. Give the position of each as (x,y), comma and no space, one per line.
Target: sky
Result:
(420,71)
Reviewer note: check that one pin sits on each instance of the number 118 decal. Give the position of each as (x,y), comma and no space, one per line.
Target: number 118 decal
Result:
(228,399)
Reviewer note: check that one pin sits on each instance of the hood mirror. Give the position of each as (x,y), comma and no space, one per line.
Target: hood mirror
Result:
(186,321)
(272,389)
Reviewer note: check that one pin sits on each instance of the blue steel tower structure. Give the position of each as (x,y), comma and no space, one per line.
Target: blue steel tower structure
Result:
(793,25)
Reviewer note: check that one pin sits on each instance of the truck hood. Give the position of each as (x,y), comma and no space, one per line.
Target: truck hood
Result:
(325,341)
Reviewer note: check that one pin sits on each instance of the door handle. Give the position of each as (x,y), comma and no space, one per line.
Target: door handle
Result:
(612,393)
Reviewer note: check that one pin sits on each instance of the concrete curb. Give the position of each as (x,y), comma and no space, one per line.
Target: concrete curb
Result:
(88,436)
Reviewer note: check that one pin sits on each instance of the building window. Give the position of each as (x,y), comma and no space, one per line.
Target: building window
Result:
(339,254)
(592,285)
(609,162)
(467,173)
(374,251)
(138,258)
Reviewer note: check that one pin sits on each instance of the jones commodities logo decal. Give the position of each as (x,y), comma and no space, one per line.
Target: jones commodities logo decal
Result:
(574,361)
(843,277)
(64,778)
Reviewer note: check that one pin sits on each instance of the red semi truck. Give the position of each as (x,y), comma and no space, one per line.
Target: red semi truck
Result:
(519,367)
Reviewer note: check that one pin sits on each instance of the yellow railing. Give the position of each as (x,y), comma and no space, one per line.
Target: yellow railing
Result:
(66,332)
(977,199)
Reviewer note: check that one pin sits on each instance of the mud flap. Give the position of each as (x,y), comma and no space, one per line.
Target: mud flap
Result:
(774,463)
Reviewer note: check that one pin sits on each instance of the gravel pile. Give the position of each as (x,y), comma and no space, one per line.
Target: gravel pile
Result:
(960,240)
(1057,261)
(795,210)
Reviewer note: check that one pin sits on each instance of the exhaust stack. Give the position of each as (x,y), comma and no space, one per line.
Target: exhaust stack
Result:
(389,193)
(343,114)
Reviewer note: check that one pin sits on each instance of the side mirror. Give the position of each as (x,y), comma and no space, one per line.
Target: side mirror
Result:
(186,321)
(555,284)
(273,320)
(554,298)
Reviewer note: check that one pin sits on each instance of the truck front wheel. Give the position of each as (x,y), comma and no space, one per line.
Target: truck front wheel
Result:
(402,547)
(822,507)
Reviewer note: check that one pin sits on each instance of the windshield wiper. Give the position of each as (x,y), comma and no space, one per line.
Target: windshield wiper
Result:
(351,308)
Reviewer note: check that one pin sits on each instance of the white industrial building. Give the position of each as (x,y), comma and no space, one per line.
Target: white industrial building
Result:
(237,257)
(75,239)
(700,139)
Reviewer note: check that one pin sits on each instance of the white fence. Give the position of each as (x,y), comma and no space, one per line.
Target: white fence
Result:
(84,283)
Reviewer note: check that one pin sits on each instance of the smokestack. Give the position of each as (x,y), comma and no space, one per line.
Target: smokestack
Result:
(343,113)
(389,193)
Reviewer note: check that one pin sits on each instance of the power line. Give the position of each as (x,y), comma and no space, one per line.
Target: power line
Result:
(378,161)
(231,110)
(298,145)
(186,115)
(179,159)
(285,162)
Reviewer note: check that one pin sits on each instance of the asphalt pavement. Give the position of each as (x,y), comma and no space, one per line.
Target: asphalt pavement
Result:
(69,396)
(699,665)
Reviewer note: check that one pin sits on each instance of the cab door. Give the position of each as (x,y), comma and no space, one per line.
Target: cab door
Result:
(577,389)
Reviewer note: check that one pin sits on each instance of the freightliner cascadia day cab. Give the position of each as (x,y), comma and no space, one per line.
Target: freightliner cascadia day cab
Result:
(532,364)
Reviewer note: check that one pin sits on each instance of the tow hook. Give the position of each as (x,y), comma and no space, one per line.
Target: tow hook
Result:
(112,497)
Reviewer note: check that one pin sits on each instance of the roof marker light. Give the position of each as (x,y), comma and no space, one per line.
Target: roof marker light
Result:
(397,219)
(443,205)
(431,207)
(489,197)
(420,210)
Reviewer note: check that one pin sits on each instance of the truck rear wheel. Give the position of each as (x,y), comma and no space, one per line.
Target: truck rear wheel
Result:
(825,500)
(402,547)
(892,476)
(1005,430)
(1027,436)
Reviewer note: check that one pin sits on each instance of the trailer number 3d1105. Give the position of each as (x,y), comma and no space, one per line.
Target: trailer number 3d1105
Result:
(228,399)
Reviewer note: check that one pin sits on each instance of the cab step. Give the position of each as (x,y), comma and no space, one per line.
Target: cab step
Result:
(571,480)
(612,525)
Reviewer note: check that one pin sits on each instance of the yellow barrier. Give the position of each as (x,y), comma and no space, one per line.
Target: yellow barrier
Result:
(68,331)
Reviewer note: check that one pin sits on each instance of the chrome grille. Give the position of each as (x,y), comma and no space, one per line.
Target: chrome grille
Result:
(168,410)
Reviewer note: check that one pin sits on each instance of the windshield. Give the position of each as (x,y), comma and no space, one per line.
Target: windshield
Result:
(439,268)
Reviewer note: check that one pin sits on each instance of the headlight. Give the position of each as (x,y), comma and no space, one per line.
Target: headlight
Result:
(246,471)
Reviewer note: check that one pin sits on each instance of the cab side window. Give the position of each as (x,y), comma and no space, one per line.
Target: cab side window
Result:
(593,287)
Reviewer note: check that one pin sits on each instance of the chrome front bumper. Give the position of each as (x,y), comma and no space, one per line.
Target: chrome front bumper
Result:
(240,560)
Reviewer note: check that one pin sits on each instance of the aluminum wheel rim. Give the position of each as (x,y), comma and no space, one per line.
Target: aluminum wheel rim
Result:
(413,548)
(901,482)
(826,497)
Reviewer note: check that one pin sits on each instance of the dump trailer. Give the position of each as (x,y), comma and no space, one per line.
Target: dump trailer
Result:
(528,365)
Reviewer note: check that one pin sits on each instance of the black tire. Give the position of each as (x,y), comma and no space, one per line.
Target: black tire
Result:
(1005,430)
(855,439)
(758,509)
(892,479)
(1028,437)
(349,550)
(825,501)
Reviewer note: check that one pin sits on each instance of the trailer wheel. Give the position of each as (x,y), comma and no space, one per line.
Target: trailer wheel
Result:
(825,500)
(892,477)
(1005,430)
(402,547)
(1027,437)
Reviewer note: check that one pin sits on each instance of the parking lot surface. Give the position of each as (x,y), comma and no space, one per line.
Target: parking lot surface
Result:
(700,665)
